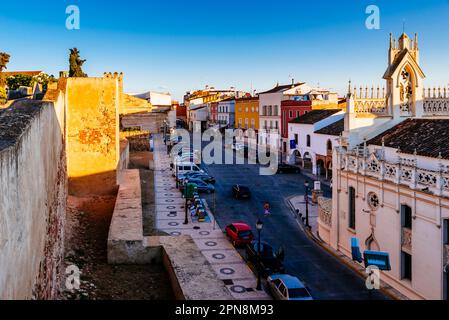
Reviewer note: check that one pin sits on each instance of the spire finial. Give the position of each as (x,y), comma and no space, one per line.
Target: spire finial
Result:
(349,86)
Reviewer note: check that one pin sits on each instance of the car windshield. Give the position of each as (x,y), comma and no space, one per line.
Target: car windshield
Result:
(245,234)
(298,293)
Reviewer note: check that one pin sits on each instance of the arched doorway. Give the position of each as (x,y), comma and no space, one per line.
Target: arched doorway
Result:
(307,161)
(329,170)
(297,157)
(320,167)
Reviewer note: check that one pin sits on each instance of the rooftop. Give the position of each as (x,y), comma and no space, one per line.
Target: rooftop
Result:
(428,137)
(335,129)
(27,73)
(282,88)
(315,116)
(16,119)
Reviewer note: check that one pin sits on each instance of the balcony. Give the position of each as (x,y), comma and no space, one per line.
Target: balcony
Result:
(436,102)
(404,172)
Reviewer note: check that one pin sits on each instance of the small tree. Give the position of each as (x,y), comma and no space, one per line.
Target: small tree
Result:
(75,64)
(4,60)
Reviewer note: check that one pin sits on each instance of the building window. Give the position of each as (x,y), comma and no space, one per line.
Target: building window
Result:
(264,110)
(351,209)
(373,201)
(329,145)
(270,110)
(297,114)
(290,114)
(276,125)
(406,266)
(308,140)
(296,139)
(265,125)
(406,216)
(446,274)
(276,112)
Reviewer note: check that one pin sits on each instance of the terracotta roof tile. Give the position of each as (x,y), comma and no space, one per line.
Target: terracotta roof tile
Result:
(314,116)
(335,129)
(429,137)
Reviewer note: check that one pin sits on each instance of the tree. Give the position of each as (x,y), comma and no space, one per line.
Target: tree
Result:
(75,64)
(4,60)
(19,80)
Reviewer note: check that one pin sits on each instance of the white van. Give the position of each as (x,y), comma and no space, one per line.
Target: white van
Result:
(184,167)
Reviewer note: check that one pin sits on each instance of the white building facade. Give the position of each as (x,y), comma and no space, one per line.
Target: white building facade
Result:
(391,177)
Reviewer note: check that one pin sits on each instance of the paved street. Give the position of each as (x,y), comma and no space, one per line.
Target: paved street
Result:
(326,276)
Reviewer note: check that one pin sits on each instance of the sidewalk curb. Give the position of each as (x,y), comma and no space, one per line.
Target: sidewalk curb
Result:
(322,244)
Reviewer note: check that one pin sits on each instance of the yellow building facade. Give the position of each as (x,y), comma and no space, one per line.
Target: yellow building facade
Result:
(247,113)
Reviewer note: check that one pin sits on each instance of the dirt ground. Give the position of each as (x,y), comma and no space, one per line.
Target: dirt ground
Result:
(86,243)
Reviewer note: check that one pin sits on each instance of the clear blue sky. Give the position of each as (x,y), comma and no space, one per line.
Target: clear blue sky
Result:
(183,45)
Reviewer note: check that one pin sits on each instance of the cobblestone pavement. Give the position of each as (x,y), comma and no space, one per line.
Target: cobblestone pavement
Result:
(210,239)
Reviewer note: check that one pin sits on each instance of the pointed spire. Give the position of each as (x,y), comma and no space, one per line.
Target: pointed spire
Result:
(349,87)
(391,40)
(416,41)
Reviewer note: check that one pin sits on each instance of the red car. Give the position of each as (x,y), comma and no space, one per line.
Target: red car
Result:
(239,233)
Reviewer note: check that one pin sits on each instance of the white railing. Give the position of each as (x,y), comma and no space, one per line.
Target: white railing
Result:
(371,106)
(325,211)
(436,102)
(370,101)
(404,172)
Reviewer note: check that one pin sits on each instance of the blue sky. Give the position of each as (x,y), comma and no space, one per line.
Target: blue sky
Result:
(183,45)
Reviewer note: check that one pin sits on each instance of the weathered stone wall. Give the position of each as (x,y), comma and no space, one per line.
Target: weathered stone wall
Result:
(32,199)
(146,121)
(93,146)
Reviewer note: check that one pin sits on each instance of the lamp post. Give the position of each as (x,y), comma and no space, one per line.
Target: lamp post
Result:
(186,219)
(176,172)
(306,185)
(259,226)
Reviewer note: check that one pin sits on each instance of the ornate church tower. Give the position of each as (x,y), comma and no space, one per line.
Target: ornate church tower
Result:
(404,78)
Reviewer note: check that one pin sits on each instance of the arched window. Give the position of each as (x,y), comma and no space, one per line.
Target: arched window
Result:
(264,110)
(351,209)
(329,145)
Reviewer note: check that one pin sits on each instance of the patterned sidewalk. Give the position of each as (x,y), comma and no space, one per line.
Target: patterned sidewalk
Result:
(210,239)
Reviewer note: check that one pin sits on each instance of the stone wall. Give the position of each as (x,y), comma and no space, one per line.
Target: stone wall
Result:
(33,195)
(93,146)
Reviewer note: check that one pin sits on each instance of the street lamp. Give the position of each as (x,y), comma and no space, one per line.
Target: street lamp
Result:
(186,219)
(306,185)
(259,226)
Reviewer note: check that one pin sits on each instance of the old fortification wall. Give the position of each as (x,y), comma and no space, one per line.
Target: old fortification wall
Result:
(32,199)
(93,142)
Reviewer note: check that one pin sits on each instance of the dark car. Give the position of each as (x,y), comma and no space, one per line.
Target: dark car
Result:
(241,192)
(270,263)
(287,168)
(200,184)
(200,175)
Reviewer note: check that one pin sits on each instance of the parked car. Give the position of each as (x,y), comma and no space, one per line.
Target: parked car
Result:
(287,168)
(270,263)
(241,192)
(184,167)
(287,287)
(201,186)
(198,175)
(239,233)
